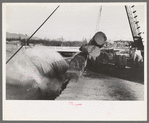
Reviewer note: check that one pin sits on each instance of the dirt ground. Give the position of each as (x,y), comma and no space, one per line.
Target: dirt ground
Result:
(95,86)
(132,72)
(109,83)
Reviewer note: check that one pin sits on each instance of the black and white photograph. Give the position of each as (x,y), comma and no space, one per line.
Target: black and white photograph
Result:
(75,53)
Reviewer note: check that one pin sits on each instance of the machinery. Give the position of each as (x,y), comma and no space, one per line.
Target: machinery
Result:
(124,50)
(118,54)
(134,26)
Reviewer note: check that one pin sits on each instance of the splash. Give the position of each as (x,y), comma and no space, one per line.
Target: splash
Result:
(37,67)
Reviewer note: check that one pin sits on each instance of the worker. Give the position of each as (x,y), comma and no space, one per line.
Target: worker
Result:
(137,54)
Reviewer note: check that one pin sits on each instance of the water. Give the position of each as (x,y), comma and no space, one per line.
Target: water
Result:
(35,73)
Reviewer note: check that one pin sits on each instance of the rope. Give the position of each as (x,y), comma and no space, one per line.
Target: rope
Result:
(98,20)
(31,36)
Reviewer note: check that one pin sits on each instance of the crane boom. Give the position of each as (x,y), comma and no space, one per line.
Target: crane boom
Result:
(134,26)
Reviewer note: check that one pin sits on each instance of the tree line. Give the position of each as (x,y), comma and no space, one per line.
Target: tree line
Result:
(47,42)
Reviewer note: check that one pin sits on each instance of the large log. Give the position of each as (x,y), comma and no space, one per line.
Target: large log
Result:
(93,51)
(98,39)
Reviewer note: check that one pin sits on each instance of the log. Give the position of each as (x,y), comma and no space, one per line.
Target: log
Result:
(98,39)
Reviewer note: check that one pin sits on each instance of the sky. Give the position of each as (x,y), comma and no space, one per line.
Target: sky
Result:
(72,21)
